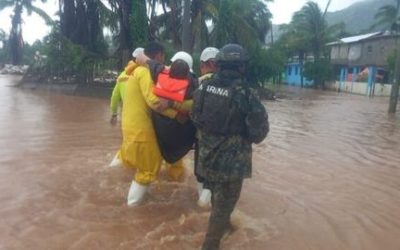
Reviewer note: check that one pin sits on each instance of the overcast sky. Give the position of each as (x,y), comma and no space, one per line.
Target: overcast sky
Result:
(282,10)
(34,27)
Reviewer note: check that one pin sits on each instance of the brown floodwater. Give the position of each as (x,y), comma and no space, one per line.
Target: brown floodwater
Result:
(327,177)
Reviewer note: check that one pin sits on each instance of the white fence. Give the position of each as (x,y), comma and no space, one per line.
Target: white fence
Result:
(361,88)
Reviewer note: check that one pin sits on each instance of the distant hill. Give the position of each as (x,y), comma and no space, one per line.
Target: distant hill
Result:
(358,17)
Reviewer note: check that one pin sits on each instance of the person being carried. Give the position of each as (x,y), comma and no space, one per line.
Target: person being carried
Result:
(173,84)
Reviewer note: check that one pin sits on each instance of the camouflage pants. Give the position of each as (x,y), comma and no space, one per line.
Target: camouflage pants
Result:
(196,162)
(224,198)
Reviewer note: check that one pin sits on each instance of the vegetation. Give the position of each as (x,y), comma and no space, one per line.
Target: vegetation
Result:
(77,46)
(3,47)
(307,34)
(389,16)
(359,17)
(78,50)
(16,41)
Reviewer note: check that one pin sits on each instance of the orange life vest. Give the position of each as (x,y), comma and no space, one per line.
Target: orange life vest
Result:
(170,88)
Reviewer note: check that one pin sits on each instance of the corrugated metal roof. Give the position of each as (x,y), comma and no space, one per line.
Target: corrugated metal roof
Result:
(353,39)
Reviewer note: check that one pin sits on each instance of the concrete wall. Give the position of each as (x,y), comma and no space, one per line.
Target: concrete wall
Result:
(362,88)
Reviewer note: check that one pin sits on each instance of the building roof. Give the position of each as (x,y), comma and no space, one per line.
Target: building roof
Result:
(353,39)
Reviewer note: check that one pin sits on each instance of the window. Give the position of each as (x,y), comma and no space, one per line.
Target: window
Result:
(369,48)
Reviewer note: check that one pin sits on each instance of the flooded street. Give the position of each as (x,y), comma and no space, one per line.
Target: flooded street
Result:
(327,177)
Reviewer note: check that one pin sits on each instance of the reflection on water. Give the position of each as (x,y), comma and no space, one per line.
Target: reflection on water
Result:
(327,177)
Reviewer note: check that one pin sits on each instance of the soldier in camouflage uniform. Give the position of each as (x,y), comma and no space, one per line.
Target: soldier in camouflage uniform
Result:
(229,118)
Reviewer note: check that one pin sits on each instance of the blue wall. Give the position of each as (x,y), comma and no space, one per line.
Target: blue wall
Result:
(292,75)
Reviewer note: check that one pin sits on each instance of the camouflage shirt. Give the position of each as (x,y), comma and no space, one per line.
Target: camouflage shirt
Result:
(229,157)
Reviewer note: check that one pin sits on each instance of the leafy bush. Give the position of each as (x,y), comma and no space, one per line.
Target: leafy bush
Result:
(319,71)
(65,59)
(264,64)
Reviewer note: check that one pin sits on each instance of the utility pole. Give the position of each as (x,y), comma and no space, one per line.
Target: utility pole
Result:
(394,94)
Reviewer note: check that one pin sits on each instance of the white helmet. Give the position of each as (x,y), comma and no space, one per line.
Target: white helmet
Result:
(185,57)
(137,51)
(208,53)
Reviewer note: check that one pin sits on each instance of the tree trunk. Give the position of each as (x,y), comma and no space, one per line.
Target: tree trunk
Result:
(301,63)
(139,24)
(80,35)
(272,34)
(186,30)
(174,24)
(67,18)
(94,32)
(124,35)
(15,41)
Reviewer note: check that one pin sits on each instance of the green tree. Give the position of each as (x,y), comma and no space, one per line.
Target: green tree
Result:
(16,41)
(389,16)
(139,23)
(241,21)
(310,32)
(202,11)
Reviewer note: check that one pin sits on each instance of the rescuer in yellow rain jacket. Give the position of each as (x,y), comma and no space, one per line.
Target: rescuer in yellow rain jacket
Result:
(139,147)
(117,97)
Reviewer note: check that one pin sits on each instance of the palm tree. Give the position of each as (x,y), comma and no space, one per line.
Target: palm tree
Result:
(16,41)
(241,21)
(139,23)
(311,33)
(186,27)
(202,12)
(388,16)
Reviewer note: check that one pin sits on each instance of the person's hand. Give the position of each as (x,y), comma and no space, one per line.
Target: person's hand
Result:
(163,104)
(113,120)
(142,59)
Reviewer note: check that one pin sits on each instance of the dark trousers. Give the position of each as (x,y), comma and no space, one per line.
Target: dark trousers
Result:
(196,162)
(223,200)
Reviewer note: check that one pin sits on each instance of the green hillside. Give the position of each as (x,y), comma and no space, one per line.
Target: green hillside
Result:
(358,17)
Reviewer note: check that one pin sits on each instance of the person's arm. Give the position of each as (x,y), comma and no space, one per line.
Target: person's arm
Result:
(130,68)
(122,77)
(256,120)
(184,106)
(114,103)
(154,66)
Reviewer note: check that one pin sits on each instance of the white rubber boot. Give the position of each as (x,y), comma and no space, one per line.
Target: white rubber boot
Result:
(205,198)
(199,188)
(116,162)
(136,193)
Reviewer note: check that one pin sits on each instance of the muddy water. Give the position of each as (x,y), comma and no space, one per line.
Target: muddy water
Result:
(327,177)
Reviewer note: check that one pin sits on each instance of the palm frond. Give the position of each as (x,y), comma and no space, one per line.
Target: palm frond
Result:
(6,4)
(108,18)
(41,13)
